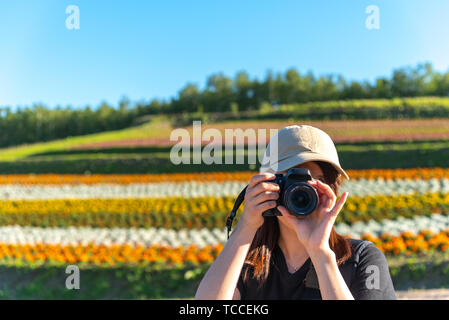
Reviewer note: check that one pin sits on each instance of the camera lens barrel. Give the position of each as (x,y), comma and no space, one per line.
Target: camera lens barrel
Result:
(300,199)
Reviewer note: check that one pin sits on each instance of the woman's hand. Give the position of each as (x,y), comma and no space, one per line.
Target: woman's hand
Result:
(314,230)
(260,196)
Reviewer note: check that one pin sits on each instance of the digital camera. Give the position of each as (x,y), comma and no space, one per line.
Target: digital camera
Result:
(300,198)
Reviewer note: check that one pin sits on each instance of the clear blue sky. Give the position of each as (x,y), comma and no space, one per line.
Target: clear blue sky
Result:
(151,49)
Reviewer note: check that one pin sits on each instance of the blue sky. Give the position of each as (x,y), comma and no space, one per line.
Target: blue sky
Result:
(151,49)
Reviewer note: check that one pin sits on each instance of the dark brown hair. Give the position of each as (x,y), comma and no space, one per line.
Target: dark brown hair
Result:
(267,236)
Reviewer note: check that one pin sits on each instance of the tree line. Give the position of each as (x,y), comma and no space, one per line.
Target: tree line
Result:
(220,94)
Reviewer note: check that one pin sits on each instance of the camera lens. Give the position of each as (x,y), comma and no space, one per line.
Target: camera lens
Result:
(301,199)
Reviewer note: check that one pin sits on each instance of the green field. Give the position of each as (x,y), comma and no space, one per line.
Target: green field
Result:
(69,156)
(157,159)
(158,281)
(368,127)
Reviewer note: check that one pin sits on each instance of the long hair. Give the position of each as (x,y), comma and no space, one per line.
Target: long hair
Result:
(267,236)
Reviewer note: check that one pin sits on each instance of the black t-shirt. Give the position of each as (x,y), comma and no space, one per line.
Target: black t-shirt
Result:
(366,274)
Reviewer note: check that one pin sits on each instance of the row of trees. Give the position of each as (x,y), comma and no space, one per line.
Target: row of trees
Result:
(221,94)
(40,123)
(225,94)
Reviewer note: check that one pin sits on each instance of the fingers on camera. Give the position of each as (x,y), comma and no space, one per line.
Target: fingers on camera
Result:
(266,205)
(283,210)
(266,196)
(259,178)
(324,189)
(340,203)
(263,187)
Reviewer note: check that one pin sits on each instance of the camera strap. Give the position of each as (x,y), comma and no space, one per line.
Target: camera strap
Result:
(237,204)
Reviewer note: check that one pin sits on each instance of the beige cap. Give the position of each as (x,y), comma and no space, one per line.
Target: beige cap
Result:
(294,145)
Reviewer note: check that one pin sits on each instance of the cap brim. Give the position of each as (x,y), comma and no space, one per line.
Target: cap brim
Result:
(298,159)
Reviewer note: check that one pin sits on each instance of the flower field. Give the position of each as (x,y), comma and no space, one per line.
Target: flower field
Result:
(156,234)
(179,218)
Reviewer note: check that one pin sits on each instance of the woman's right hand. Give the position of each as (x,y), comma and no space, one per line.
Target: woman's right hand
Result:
(261,195)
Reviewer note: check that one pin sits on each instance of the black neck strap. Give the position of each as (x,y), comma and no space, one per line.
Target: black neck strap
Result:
(237,204)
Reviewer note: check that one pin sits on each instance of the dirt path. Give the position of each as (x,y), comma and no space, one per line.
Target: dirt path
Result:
(433,294)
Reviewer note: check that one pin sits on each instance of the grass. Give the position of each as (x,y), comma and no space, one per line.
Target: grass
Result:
(47,280)
(366,155)
(428,271)
(155,128)
(160,128)
(37,281)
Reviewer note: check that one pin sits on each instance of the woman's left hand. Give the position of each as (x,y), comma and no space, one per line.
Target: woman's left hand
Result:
(314,230)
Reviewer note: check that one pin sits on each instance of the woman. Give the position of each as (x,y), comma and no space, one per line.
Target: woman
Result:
(290,257)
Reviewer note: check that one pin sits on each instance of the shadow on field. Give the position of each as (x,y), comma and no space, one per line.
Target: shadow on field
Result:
(157,159)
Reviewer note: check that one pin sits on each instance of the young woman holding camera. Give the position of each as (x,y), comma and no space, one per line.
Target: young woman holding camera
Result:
(293,257)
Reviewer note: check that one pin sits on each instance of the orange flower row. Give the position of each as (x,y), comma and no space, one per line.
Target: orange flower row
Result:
(101,254)
(406,243)
(30,179)
(409,243)
(390,174)
(56,179)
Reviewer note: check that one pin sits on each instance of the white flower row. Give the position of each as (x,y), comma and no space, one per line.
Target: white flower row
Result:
(362,187)
(108,191)
(435,223)
(365,187)
(199,237)
(110,236)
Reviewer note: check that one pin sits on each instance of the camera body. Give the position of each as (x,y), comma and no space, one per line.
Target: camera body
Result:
(300,198)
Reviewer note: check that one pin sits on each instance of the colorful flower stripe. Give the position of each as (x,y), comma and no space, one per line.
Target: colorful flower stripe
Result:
(115,220)
(209,212)
(409,243)
(109,191)
(435,223)
(172,205)
(364,187)
(192,189)
(101,254)
(391,207)
(114,236)
(355,209)
(389,174)
(200,237)
(58,179)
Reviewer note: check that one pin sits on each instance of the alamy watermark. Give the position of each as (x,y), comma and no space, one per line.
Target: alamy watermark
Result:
(73,280)
(373,20)
(189,149)
(72,22)
(373,280)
